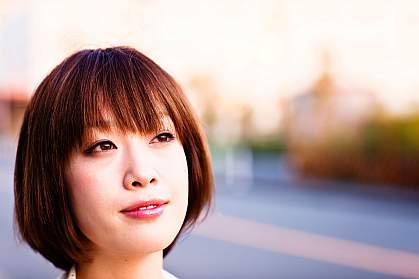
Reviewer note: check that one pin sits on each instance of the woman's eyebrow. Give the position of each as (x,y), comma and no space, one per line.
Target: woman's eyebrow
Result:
(167,122)
(102,124)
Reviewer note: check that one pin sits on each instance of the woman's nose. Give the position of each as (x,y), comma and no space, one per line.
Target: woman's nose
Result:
(133,182)
(139,173)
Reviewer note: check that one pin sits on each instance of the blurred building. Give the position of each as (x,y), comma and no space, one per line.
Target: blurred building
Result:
(328,109)
(324,127)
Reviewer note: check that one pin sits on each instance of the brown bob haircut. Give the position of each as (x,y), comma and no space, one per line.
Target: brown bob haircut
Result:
(135,92)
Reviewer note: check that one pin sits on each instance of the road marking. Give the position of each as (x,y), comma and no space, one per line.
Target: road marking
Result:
(309,245)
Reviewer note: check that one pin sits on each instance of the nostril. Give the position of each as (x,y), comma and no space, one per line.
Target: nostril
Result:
(136,184)
(142,182)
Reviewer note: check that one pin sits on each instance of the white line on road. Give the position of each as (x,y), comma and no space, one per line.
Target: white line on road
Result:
(313,246)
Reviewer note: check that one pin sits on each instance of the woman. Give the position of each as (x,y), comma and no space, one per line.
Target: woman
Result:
(111,166)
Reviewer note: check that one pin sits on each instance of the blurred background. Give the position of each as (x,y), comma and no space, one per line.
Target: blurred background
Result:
(311,109)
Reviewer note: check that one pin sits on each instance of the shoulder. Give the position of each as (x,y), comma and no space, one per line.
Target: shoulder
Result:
(168,275)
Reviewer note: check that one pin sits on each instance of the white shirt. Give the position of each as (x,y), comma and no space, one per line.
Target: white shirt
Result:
(72,274)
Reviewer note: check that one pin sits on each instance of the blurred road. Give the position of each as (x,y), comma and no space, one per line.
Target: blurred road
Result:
(271,224)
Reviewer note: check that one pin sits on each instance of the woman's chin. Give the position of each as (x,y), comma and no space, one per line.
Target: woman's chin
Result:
(141,245)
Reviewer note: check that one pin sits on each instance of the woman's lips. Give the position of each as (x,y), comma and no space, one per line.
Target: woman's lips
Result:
(145,209)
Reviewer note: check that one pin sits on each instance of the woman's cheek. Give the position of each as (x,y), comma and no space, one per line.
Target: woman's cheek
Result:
(89,187)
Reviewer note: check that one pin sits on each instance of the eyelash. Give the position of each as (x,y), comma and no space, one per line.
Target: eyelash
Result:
(160,139)
(169,137)
(92,148)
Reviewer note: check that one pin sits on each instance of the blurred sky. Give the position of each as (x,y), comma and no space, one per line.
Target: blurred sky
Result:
(255,51)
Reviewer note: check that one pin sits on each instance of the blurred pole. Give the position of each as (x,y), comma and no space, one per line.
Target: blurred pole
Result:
(238,169)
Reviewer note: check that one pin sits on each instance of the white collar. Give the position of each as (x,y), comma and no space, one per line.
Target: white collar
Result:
(72,274)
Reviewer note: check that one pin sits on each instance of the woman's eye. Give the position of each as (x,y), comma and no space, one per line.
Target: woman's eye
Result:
(163,137)
(102,146)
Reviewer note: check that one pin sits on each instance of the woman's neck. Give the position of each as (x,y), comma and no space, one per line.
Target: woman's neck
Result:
(111,267)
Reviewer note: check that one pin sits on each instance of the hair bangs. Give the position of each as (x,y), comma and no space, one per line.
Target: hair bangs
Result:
(121,95)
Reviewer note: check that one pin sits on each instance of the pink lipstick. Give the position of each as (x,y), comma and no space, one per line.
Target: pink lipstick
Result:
(145,209)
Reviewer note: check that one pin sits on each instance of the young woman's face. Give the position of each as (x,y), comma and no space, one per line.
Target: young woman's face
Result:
(129,192)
